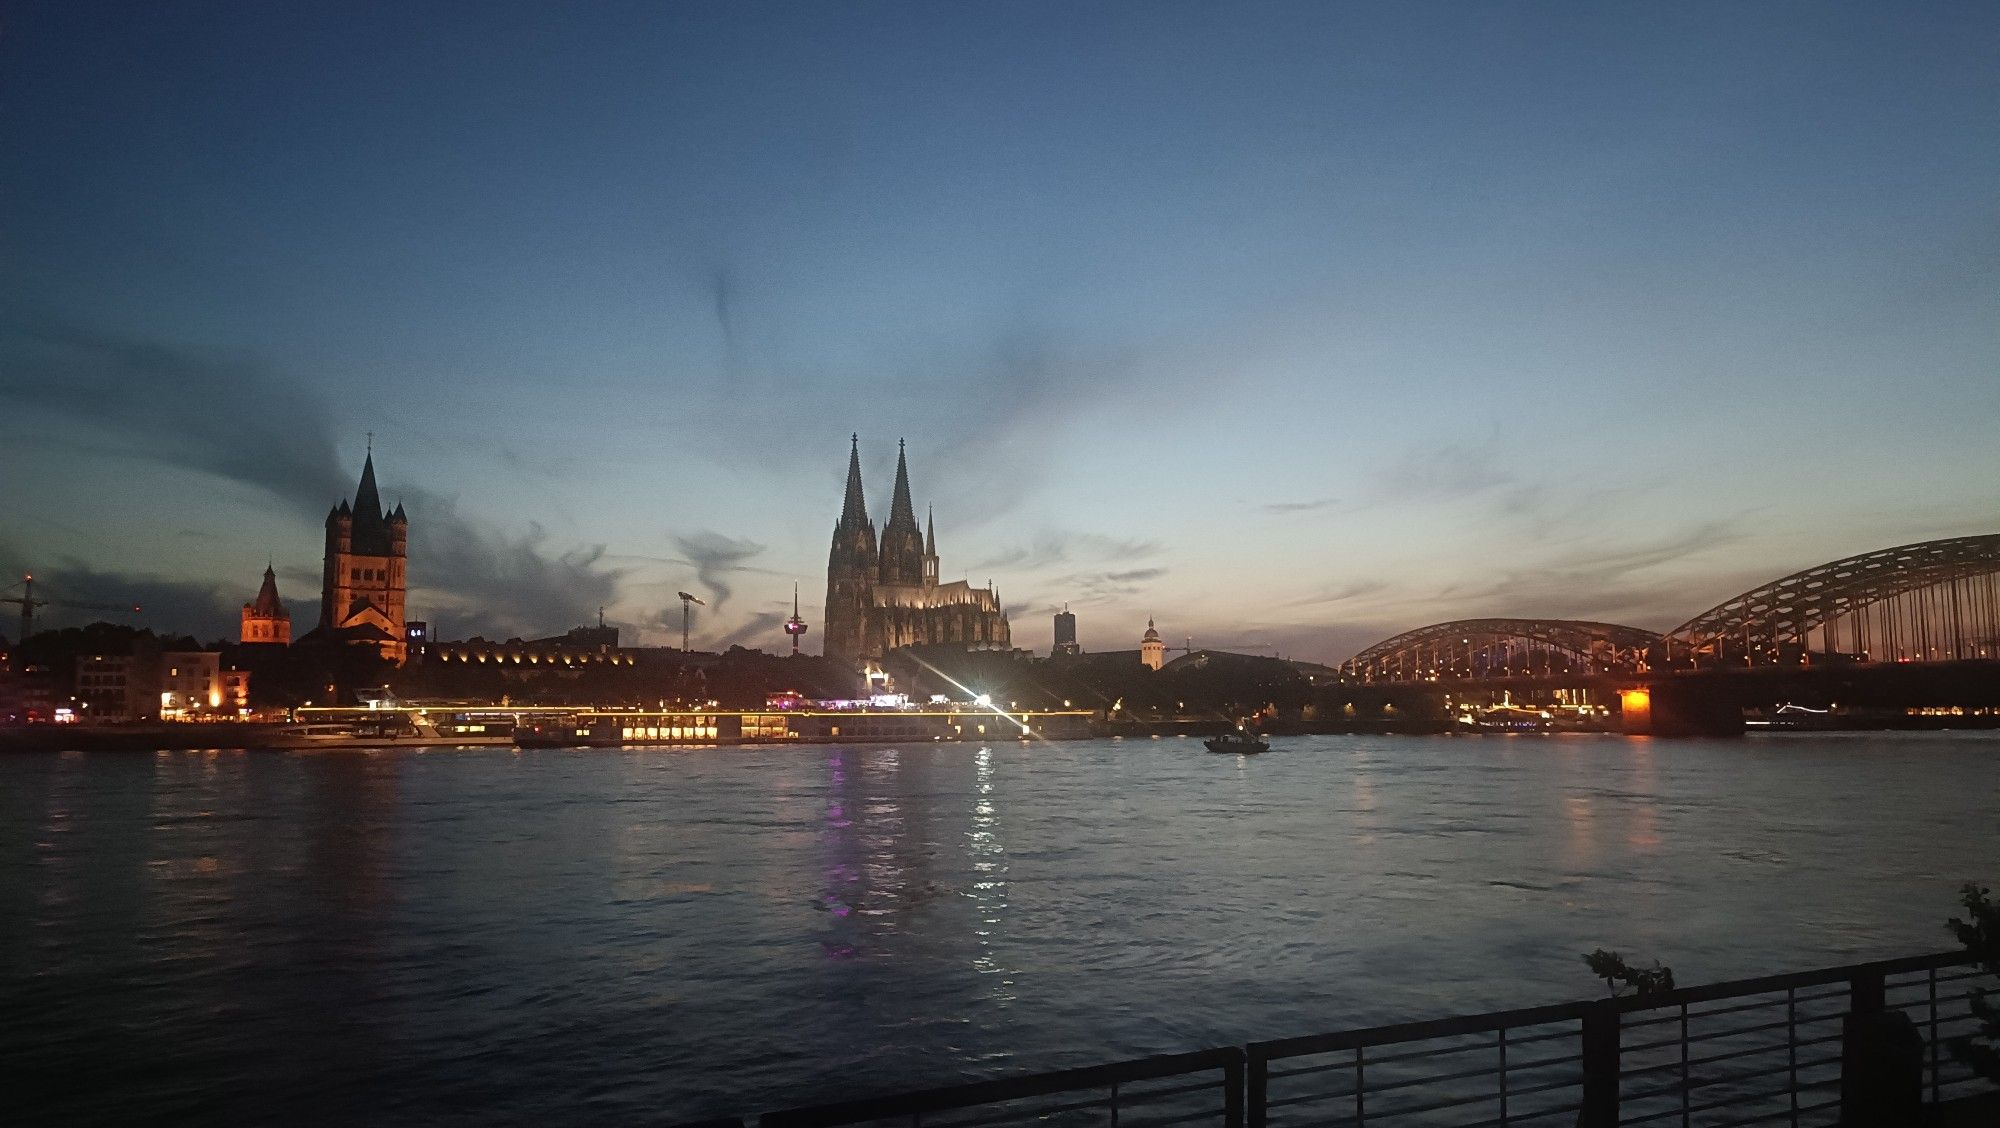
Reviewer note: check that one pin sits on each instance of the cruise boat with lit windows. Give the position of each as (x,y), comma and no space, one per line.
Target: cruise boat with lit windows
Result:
(786,719)
(391,728)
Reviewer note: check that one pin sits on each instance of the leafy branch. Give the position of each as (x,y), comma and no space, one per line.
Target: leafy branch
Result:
(1980,933)
(1618,975)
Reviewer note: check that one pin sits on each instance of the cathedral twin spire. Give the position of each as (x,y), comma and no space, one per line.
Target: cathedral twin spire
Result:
(906,551)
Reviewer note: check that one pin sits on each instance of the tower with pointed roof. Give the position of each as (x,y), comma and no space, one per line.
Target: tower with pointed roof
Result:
(1152,648)
(882,595)
(265,620)
(363,583)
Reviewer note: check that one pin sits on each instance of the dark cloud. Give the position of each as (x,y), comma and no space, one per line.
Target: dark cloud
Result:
(713,557)
(170,607)
(216,413)
(759,632)
(470,577)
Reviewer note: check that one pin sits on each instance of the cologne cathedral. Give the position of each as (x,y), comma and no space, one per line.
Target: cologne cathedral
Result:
(884,594)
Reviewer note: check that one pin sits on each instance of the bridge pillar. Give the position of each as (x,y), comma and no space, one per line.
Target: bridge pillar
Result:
(1687,707)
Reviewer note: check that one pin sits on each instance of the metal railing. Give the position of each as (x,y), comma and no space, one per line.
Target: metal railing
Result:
(1205,1087)
(1749,1051)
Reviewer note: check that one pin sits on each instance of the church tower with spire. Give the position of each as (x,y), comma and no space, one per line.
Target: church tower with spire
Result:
(265,620)
(850,569)
(902,542)
(885,596)
(363,582)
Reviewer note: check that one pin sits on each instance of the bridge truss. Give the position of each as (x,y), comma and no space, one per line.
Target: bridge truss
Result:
(1473,649)
(1934,601)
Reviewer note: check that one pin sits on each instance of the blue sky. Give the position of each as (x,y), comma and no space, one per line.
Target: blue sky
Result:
(1292,326)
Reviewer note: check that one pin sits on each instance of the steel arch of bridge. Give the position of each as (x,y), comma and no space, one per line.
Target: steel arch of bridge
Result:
(1469,648)
(1934,600)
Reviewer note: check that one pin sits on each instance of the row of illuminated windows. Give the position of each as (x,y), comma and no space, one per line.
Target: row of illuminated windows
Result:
(533,659)
(670,732)
(765,726)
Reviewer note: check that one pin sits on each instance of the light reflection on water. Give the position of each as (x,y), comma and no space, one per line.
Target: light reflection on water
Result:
(475,935)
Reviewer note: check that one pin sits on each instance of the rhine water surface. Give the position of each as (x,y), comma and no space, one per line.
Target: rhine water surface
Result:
(492,936)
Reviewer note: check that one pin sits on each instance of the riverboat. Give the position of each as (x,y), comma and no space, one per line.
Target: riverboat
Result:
(1241,742)
(391,729)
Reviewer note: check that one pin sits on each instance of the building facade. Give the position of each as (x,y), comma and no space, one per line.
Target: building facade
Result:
(265,619)
(1152,648)
(363,584)
(882,593)
(1065,640)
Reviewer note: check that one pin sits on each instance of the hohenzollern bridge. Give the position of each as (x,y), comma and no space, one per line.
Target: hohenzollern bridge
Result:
(1918,623)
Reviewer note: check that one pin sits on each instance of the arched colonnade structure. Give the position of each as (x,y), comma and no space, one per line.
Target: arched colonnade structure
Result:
(1934,601)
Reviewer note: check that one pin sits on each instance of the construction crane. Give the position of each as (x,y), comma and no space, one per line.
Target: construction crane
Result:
(27,602)
(688,604)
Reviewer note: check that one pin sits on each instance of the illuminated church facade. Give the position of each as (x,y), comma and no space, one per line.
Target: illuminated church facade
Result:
(363,583)
(883,593)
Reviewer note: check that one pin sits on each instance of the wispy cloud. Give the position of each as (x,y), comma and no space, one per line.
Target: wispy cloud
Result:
(714,557)
(1057,547)
(1301,506)
(1098,587)
(164,403)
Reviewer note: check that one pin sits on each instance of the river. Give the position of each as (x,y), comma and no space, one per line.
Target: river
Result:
(482,936)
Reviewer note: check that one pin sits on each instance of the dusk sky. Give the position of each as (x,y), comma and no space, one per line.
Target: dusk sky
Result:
(1291,326)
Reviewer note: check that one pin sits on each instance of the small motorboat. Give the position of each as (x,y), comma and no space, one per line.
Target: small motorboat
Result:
(1242,742)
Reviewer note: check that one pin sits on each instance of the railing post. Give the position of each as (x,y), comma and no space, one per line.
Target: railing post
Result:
(1600,1066)
(1881,1058)
(1232,1091)
(1256,1087)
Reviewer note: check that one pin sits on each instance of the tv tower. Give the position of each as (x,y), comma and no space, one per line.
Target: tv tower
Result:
(795,626)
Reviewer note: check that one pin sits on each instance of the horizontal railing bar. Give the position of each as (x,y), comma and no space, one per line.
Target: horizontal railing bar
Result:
(1450,1102)
(1712,1035)
(1204,1114)
(1719,1079)
(1975,973)
(1518,1117)
(1769,983)
(1432,1079)
(1141,1096)
(1727,1101)
(1692,1109)
(1274,1074)
(1774,1114)
(1917,1004)
(1038,1112)
(1776,1001)
(1419,1055)
(1567,1083)
(1417,1031)
(1342,1095)
(1540,1063)
(1001,1089)
(1692,1062)
(1533,1038)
